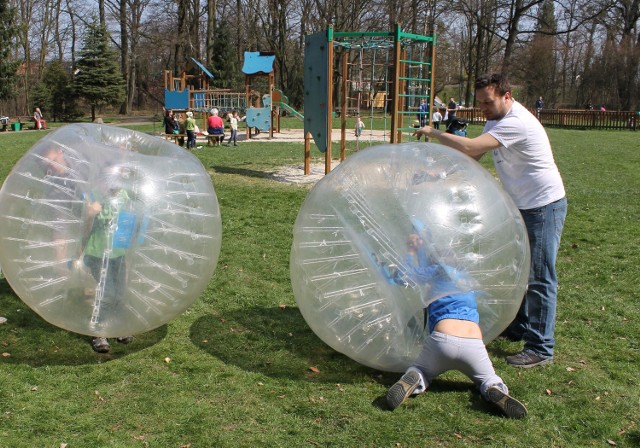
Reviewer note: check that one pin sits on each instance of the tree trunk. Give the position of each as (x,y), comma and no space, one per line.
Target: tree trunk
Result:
(211,30)
(125,65)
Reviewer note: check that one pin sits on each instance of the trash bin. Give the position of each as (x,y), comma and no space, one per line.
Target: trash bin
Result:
(15,126)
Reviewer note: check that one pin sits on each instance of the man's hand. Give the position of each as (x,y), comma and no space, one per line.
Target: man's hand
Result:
(427,131)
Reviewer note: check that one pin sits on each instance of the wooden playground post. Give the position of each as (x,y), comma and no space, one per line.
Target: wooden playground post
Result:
(327,155)
(271,109)
(396,86)
(402,85)
(343,109)
(247,92)
(307,153)
(433,79)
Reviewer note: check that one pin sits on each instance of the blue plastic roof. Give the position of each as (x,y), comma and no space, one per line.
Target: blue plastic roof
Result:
(257,62)
(203,68)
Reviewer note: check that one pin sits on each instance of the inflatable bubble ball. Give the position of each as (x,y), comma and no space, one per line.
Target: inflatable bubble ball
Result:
(108,232)
(353,260)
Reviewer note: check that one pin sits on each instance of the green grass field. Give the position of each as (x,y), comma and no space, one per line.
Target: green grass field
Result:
(235,369)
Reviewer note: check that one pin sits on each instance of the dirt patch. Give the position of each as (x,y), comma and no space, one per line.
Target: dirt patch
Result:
(294,174)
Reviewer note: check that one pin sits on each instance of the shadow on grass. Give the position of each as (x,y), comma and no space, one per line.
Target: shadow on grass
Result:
(275,342)
(28,339)
(240,171)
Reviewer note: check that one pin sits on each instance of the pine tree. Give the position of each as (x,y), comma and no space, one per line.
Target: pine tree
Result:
(8,68)
(98,79)
(55,93)
(227,73)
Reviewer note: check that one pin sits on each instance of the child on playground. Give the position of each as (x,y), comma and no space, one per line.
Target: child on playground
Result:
(455,338)
(233,123)
(436,119)
(359,126)
(190,127)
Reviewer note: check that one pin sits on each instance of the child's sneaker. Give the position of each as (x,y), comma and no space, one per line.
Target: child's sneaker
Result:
(402,389)
(511,407)
(124,340)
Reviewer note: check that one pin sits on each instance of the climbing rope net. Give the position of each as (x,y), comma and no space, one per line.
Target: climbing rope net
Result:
(369,75)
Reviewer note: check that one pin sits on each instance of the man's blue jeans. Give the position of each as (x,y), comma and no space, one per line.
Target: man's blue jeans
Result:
(535,322)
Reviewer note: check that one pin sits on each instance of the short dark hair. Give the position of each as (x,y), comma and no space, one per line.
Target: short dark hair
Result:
(498,80)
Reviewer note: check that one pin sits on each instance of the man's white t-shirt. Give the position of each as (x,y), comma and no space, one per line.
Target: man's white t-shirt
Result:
(524,161)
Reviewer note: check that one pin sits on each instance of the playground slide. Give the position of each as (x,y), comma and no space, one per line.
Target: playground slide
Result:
(291,110)
(281,100)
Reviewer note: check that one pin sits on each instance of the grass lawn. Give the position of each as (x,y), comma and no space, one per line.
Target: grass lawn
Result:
(235,369)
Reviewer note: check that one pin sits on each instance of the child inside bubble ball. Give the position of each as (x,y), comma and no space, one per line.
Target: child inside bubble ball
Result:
(455,338)
(68,185)
(104,255)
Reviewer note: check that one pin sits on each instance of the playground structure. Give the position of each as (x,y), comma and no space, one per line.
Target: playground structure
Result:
(191,91)
(383,73)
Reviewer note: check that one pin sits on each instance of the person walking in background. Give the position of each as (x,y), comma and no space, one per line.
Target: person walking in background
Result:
(436,119)
(452,108)
(359,126)
(524,162)
(539,106)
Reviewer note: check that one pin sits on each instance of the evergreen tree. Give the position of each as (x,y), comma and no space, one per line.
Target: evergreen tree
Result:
(98,79)
(227,74)
(8,68)
(55,93)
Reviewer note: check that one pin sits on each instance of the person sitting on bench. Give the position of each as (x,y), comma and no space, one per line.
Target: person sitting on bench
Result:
(37,117)
(215,128)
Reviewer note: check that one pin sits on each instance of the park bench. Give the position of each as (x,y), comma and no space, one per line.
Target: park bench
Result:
(24,120)
(177,138)
(215,139)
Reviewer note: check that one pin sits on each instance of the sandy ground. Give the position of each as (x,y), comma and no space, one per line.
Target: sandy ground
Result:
(294,174)
(297,135)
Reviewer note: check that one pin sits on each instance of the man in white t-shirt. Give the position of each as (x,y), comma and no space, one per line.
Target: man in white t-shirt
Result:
(524,162)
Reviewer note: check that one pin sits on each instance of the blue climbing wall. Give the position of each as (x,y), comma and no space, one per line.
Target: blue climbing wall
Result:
(316,88)
(259,117)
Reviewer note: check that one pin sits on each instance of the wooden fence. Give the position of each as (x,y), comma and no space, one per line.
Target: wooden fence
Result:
(571,119)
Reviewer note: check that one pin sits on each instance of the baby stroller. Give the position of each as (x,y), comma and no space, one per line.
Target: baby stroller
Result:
(458,126)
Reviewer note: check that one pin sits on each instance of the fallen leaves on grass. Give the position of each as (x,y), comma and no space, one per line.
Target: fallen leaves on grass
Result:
(314,369)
